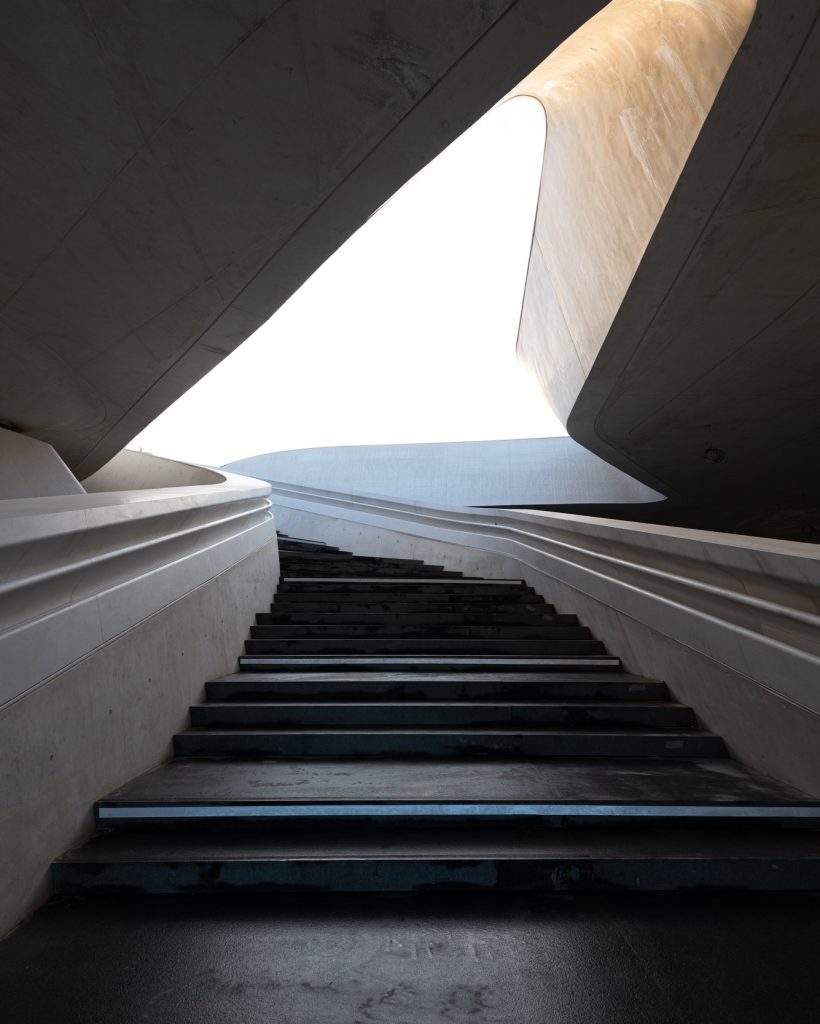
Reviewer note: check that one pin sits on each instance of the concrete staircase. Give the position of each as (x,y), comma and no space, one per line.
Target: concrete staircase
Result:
(396,727)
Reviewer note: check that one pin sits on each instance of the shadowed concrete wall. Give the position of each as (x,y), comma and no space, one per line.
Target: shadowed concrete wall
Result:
(532,471)
(672,303)
(32,469)
(173,172)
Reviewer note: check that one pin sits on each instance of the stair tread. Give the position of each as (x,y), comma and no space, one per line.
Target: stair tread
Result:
(466,843)
(569,781)
(535,678)
(588,704)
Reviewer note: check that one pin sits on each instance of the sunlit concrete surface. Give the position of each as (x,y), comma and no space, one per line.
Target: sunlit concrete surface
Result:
(534,471)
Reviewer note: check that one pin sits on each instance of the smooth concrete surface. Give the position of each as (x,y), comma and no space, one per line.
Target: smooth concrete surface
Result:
(174,173)
(531,471)
(108,718)
(730,623)
(671,303)
(625,98)
(130,470)
(319,959)
(712,393)
(80,570)
(32,469)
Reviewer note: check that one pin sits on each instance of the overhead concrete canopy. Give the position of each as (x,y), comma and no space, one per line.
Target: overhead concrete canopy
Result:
(173,172)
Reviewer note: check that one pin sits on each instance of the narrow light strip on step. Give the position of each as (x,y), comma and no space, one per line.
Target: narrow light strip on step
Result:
(443,810)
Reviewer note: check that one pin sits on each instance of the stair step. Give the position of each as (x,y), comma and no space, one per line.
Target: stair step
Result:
(410,618)
(255,686)
(411,645)
(426,663)
(531,631)
(446,742)
(449,792)
(322,571)
(399,604)
(355,584)
(405,860)
(411,714)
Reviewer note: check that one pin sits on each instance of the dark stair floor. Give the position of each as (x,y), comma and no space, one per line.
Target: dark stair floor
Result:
(448,958)
(396,728)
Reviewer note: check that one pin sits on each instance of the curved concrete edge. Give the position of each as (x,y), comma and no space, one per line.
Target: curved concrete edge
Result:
(730,623)
(132,470)
(625,97)
(524,471)
(79,570)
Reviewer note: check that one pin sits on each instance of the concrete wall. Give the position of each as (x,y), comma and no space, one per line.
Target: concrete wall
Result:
(534,471)
(32,469)
(110,717)
(762,697)
(625,97)
(131,470)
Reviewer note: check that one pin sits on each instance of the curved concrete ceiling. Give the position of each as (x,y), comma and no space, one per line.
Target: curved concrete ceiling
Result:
(171,175)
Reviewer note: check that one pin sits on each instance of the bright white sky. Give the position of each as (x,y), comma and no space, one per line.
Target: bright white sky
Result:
(407,333)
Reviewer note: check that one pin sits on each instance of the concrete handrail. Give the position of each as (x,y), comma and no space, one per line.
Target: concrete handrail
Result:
(750,603)
(80,569)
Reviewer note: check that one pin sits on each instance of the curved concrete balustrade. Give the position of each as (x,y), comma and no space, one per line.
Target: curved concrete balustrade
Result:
(731,623)
(79,570)
(526,471)
(114,609)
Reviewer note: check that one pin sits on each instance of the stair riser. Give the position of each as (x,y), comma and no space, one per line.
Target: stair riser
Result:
(374,645)
(416,745)
(447,689)
(538,631)
(412,605)
(402,589)
(352,716)
(361,572)
(565,875)
(423,663)
(432,620)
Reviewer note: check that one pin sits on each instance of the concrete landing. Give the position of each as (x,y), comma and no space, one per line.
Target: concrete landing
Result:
(631,959)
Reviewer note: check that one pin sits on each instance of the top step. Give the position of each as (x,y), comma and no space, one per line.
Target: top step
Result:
(385,583)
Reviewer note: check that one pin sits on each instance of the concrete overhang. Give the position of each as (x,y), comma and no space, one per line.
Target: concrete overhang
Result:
(173,172)
(672,304)
(707,386)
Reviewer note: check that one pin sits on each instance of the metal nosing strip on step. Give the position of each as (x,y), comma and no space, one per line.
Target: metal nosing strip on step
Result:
(423,659)
(379,580)
(476,810)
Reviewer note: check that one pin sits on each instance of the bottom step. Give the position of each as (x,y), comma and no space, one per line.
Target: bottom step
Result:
(651,860)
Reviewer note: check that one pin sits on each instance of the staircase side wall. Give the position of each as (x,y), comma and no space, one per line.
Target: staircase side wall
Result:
(110,717)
